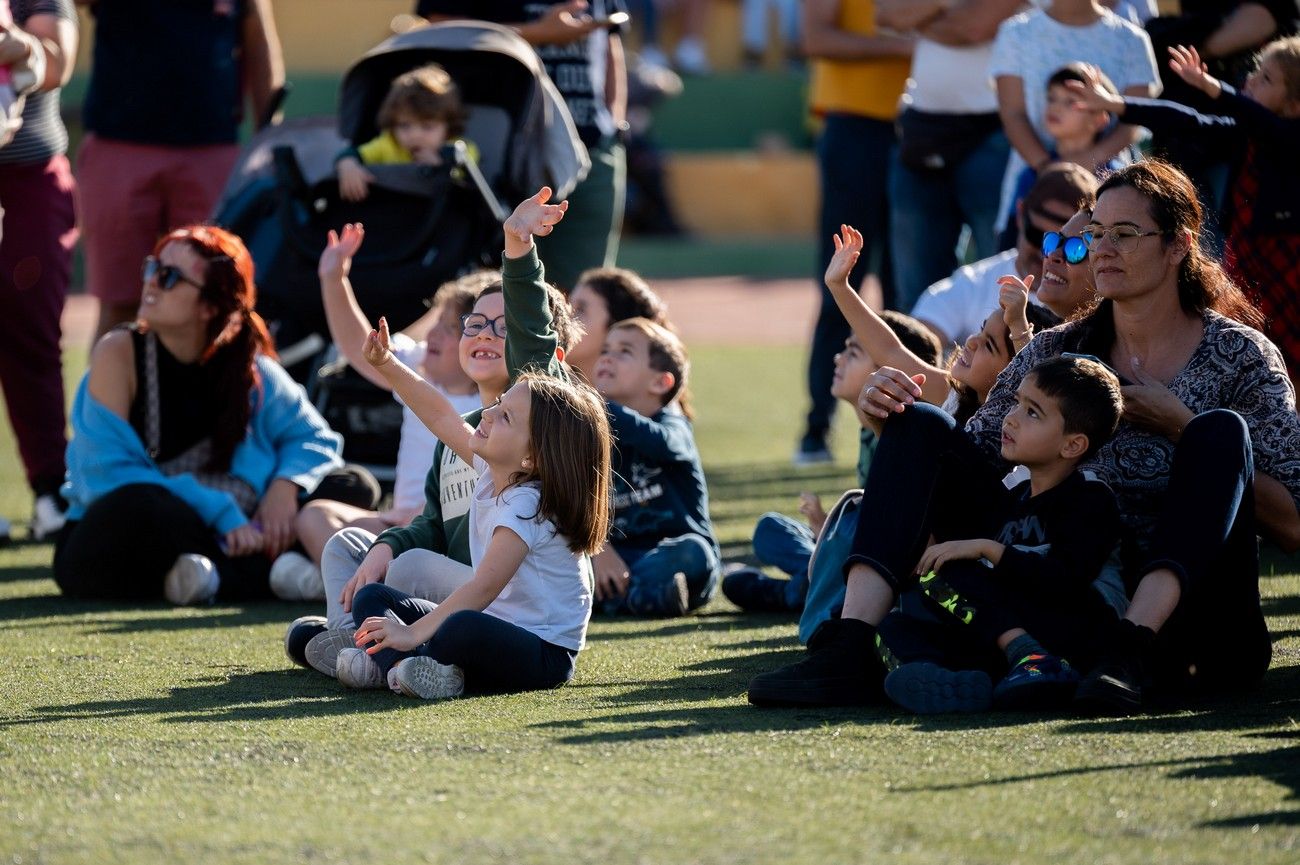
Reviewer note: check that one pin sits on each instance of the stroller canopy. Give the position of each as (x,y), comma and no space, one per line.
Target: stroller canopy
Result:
(494,68)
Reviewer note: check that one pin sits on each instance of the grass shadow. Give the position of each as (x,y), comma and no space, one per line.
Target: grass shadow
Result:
(110,617)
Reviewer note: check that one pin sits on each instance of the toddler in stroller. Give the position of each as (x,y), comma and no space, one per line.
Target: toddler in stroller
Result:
(425,224)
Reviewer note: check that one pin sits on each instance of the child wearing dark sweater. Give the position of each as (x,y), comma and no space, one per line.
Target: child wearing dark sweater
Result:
(661,558)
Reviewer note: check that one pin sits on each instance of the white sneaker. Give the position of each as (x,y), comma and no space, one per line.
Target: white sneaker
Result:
(294,577)
(356,669)
(691,59)
(425,678)
(192,581)
(47,518)
(323,649)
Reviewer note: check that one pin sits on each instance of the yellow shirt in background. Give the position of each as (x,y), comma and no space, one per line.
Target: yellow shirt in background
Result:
(869,87)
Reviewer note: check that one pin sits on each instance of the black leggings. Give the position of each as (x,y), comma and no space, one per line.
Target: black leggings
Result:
(123,546)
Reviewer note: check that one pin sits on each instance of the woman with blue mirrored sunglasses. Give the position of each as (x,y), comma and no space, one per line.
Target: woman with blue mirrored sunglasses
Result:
(1075,248)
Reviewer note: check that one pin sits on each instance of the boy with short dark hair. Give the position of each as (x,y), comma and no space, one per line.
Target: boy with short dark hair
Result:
(1035,573)
(662,558)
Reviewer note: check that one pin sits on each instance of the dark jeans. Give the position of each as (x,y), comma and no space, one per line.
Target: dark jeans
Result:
(495,655)
(1206,535)
(853,155)
(927,477)
(123,546)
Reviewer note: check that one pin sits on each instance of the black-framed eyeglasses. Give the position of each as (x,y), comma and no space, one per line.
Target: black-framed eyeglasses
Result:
(1124,237)
(473,323)
(167,275)
(1075,249)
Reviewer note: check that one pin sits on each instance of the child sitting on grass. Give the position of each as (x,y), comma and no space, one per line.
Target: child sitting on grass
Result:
(430,556)
(1011,585)
(296,576)
(420,114)
(603,297)
(661,558)
(541,507)
(787,544)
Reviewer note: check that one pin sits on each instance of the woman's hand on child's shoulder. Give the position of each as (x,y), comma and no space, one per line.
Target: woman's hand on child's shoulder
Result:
(377,350)
(848,247)
(354,179)
(889,391)
(336,259)
(533,216)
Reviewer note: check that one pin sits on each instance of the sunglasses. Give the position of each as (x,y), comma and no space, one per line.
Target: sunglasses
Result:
(167,275)
(473,323)
(1075,249)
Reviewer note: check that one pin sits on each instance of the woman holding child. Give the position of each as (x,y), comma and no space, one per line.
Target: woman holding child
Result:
(1207,455)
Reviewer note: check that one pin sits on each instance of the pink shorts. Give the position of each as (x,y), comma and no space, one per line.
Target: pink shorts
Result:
(131,194)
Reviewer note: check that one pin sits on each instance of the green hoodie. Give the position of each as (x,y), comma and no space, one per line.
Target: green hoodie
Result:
(530,345)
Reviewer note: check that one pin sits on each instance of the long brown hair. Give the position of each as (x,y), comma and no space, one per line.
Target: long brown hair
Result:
(1173,204)
(236,334)
(570,443)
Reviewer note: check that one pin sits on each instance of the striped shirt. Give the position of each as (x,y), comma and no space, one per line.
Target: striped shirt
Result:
(42,135)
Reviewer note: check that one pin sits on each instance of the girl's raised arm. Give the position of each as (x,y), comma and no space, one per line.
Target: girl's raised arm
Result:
(431,407)
(879,340)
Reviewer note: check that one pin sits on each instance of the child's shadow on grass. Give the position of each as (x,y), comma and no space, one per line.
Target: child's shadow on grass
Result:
(238,696)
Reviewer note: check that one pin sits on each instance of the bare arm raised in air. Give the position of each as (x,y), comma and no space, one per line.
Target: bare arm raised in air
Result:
(433,409)
(879,340)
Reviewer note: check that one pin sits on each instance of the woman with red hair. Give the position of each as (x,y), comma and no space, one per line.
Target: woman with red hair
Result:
(191,446)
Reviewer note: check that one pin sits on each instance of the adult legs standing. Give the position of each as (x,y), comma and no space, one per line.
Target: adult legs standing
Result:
(853,157)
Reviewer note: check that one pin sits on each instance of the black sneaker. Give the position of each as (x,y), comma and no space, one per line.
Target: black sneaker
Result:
(1113,687)
(1039,682)
(928,689)
(301,630)
(756,592)
(667,600)
(841,670)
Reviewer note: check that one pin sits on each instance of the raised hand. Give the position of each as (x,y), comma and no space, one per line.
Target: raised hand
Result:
(1092,96)
(848,247)
(1187,65)
(533,217)
(336,259)
(377,350)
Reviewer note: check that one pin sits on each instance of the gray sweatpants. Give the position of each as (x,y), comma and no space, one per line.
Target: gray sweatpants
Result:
(420,573)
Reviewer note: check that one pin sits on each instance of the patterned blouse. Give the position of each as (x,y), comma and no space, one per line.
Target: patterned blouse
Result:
(1234,367)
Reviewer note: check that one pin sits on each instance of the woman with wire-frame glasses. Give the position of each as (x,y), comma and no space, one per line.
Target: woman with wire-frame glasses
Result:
(1205,458)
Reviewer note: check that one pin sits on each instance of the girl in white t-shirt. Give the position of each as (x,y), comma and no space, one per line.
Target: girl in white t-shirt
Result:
(541,507)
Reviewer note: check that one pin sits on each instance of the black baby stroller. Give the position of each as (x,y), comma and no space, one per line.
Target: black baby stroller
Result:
(424,224)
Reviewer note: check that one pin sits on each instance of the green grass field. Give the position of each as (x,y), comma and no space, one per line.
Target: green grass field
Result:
(151,734)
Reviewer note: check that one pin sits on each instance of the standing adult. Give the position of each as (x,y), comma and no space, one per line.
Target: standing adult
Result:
(584,57)
(1206,457)
(168,82)
(36,240)
(947,170)
(858,75)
